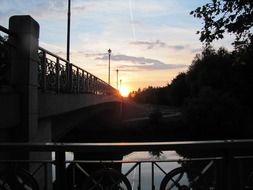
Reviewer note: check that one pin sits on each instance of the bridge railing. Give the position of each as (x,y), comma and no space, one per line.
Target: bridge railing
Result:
(54,73)
(229,167)
(58,75)
(5,52)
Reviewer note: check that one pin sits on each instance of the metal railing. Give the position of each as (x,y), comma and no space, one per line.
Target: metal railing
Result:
(229,167)
(5,53)
(55,73)
(59,75)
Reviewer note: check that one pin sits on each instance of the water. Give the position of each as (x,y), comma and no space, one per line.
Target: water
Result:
(69,157)
(146,174)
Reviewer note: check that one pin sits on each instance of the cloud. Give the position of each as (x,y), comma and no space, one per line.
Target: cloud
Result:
(38,9)
(148,44)
(196,50)
(157,44)
(139,63)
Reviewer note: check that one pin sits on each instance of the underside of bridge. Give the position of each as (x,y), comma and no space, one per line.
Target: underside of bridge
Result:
(71,126)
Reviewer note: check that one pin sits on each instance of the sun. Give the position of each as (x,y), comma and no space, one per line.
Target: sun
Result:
(124,91)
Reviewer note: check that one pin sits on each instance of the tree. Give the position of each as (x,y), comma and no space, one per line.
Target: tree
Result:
(220,16)
(179,90)
(4,60)
(210,69)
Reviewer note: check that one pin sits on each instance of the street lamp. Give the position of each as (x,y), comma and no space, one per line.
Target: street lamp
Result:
(117,70)
(109,53)
(68,31)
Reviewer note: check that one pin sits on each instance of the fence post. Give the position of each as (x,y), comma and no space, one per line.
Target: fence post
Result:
(83,82)
(24,73)
(77,80)
(70,77)
(60,171)
(227,170)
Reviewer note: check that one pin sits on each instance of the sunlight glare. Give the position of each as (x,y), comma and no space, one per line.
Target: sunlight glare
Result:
(124,91)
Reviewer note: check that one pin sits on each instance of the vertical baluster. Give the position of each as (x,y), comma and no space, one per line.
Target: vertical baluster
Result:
(74,176)
(57,76)
(43,71)
(139,186)
(96,85)
(227,170)
(70,77)
(92,83)
(152,177)
(88,83)
(45,177)
(83,81)
(241,174)
(77,80)
(60,171)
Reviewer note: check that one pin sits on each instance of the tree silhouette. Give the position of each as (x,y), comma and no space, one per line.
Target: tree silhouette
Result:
(219,104)
(4,60)
(179,90)
(222,16)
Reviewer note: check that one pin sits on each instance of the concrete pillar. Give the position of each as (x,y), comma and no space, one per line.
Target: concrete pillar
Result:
(24,78)
(24,73)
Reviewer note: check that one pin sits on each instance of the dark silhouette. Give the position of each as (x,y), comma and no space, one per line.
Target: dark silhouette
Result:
(4,60)
(220,16)
(215,94)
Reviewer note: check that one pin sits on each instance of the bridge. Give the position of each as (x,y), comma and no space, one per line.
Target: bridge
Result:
(42,95)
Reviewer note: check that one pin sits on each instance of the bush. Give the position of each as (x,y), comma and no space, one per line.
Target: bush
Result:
(215,114)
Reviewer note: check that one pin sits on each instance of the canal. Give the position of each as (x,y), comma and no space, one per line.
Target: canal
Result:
(146,174)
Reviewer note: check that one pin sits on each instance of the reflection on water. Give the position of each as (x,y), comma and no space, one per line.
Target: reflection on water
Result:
(69,157)
(146,174)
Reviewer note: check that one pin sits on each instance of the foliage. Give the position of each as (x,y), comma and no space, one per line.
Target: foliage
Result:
(222,16)
(211,69)
(215,113)
(179,90)
(150,95)
(4,60)
(215,93)
(220,102)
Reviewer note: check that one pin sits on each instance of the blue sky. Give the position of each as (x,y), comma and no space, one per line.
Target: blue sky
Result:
(151,41)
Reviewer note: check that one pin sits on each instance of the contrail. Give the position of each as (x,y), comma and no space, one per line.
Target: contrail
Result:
(132,19)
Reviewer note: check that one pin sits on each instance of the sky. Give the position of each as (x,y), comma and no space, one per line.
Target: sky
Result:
(151,41)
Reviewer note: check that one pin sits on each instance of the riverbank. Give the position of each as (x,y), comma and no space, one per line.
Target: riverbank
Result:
(136,125)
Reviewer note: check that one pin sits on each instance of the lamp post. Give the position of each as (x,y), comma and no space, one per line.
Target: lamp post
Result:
(117,70)
(68,31)
(109,53)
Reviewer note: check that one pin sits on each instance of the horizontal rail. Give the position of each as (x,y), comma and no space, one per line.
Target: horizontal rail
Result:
(7,31)
(53,54)
(115,147)
(215,170)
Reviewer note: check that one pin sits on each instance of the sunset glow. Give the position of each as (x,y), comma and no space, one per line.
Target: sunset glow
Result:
(124,91)
(151,41)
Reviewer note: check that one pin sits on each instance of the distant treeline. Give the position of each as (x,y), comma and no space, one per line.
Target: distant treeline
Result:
(216,93)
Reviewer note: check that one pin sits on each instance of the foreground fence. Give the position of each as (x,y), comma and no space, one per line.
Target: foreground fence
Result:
(202,165)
